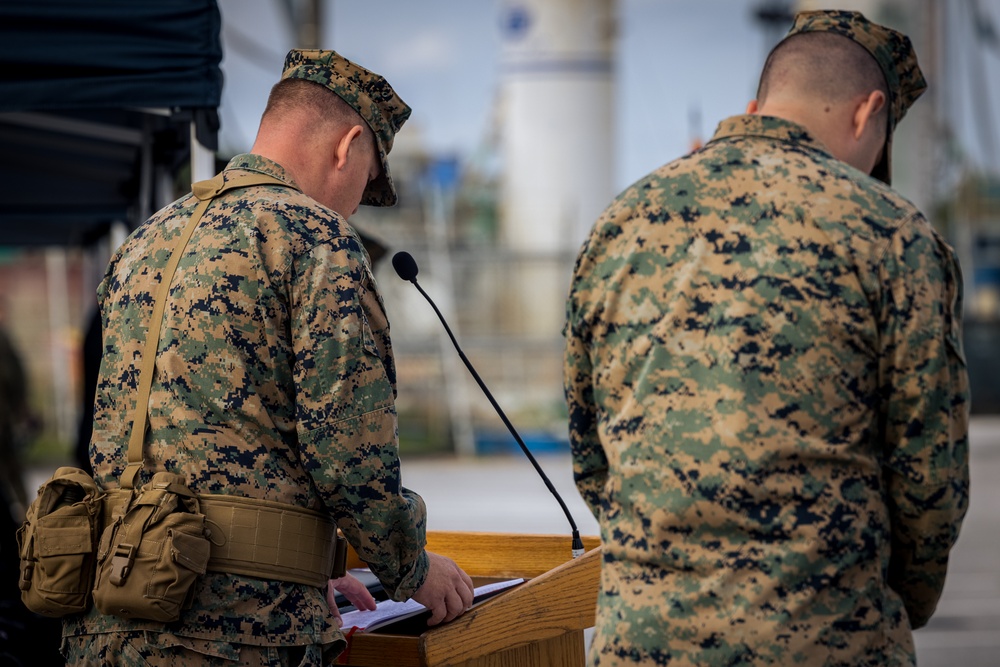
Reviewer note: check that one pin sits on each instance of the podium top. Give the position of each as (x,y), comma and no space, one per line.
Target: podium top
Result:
(553,607)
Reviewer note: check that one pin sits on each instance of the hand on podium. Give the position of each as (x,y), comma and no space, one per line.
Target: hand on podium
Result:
(447,591)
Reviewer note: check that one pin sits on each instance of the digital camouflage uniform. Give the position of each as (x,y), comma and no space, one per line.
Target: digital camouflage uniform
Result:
(274,380)
(768,409)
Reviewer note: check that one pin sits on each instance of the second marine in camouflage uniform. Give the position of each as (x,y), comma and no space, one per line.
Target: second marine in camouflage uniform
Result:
(768,407)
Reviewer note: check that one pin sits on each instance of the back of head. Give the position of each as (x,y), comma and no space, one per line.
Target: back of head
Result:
(891,52)
(822,68)
(292,96)
(304,112)
(368,94)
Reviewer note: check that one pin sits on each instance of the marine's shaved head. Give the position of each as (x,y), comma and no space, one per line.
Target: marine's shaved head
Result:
(826,67)
(297,95)
(326,111)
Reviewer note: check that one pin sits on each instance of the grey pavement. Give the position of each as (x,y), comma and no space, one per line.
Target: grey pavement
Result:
(497,494)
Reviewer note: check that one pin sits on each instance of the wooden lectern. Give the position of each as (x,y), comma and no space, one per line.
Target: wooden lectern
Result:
(539,623)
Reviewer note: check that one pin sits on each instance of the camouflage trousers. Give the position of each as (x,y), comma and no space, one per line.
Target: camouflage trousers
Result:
(142,649)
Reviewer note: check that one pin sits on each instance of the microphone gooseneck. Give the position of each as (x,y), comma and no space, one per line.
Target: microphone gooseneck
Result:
(406,268)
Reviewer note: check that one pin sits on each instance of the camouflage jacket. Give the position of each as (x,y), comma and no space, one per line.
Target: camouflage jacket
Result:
(768,408)
(275,379)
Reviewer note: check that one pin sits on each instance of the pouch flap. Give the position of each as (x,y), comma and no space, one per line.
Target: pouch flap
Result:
(55,541)
(191,551)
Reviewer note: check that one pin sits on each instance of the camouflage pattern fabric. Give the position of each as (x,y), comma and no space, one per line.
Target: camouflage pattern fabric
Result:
(162,649)
(768,409)
(275,380)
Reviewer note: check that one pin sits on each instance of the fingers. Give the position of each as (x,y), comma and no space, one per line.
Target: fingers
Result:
(331,595)
(355,592)
(331,601)
(438,613)
(468,592)
(447,591)
(462,583)
(450,608)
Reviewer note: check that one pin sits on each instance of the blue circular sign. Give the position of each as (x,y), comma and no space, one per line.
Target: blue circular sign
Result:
(517,21)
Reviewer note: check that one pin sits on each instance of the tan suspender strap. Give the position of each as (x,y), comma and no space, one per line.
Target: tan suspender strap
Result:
(205,191)
(139,422)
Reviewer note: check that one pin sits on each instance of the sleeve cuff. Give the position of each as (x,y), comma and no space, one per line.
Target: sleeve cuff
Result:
(413,579)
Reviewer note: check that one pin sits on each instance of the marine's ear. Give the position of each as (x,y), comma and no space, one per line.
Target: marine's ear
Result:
(343,147)
(866,110)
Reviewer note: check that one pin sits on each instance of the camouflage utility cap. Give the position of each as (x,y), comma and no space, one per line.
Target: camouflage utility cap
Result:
(368,93)
(892,51)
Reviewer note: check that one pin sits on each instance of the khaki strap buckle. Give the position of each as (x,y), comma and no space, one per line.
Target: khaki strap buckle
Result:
(26,572)
(339,558)
(121,563)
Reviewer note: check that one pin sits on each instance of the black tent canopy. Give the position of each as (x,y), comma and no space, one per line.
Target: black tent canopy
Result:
(98,100)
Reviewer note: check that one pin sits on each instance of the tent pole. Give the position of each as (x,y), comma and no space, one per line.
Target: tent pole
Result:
(202,158)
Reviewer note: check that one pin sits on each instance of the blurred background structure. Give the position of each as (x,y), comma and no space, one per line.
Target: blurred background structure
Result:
(529,116)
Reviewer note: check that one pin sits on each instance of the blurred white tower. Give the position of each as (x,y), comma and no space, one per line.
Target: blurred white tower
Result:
(557,144)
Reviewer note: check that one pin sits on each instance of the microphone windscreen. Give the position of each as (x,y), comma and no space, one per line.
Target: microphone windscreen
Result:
(405,265)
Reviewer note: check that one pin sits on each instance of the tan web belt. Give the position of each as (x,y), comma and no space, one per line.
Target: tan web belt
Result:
(261,538)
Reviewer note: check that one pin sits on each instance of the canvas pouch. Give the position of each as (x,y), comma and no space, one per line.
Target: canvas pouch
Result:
(152,552)
(56,544)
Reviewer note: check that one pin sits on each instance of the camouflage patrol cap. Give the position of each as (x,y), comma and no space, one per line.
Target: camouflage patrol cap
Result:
(368,94)
(891,50)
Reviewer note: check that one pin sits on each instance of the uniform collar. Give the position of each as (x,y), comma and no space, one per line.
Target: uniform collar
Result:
(770,127)
(262,165)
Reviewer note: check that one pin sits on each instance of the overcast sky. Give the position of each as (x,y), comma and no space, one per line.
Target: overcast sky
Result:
(681,67)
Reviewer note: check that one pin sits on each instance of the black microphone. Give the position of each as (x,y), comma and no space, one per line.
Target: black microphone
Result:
(406,268)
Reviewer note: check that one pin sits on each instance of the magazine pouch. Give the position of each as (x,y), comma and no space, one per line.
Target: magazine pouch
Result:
(152,552)
(57,544)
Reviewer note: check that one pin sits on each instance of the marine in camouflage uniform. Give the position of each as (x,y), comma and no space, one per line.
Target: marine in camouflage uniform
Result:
(274,380)
(768,401)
